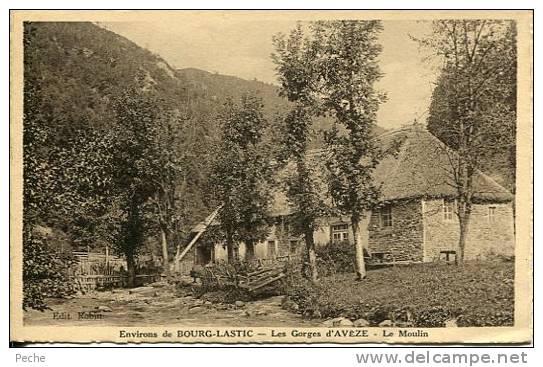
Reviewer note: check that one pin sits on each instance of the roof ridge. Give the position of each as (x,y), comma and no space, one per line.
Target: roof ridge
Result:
(479,171)
(408,127)
(491,180)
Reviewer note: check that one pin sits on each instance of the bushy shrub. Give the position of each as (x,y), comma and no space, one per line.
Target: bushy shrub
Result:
(425,295)
(298,288)
(227,290)
(45,273)
(335,258)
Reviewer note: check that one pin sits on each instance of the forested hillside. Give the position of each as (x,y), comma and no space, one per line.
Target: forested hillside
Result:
(219,88)
(80,67)
(78,71)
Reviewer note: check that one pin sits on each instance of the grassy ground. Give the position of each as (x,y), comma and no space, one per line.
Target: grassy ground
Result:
(423,295)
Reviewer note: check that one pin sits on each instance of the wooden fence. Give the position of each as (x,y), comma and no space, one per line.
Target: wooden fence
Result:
(104,271)
(86,283)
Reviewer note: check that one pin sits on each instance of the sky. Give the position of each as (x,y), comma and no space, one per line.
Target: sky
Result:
(243,47)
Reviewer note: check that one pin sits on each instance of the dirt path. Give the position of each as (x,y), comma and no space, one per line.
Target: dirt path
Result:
(149,306)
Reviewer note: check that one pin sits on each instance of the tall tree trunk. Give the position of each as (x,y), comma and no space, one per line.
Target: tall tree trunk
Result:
(359,248)
(249,250)
(165,257)
(465,185)
(464,216)
(230,247)
(310,255)
(131,269)
(132,241)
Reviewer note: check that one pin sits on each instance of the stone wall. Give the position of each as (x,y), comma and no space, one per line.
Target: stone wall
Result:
(485,236)
(404,237)
(410,238)
(261,248)
(283,234)
(221,253)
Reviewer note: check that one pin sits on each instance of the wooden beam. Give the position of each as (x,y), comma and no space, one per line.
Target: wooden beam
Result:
(201,231)
(265,283)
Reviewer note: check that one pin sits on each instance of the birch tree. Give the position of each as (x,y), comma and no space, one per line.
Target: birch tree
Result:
(475,99)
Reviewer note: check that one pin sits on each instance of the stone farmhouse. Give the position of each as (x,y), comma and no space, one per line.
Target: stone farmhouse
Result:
(416,219)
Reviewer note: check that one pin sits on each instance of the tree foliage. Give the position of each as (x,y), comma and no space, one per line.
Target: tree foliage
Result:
(137,167)
(241,177)
(106,127)
(41,267)
(348,69)
(331,72)
(296,72)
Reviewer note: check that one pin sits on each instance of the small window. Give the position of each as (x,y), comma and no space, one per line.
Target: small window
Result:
(340,232)
(385,216)
(271,250)
(448,210)
(491,214)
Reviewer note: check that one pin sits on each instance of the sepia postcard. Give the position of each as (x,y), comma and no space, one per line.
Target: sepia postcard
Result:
(271,176)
